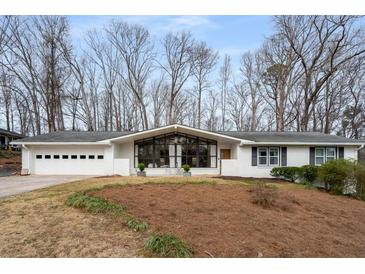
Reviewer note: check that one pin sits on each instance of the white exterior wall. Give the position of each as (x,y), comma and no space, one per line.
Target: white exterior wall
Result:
(121,167)
(125,151)
(25,160)
(119,159)
(296,156)
(350,153)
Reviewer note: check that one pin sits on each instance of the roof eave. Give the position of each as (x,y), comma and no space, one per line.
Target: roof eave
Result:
(59,143)
(307,143)
(176,127)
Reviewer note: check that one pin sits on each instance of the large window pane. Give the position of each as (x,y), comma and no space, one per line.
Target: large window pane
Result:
(330,153)
(203,161)
(213,162)
(262,155)
(174,150)
(319,160)
(319,152)
(213,150)
(320,155)
(274,156)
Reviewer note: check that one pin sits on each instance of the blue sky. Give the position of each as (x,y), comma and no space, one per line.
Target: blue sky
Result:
(228,34)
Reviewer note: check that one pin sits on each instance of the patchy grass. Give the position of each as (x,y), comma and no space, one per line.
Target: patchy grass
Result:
(93,204)
(168,246)
(40,224)
(137,224)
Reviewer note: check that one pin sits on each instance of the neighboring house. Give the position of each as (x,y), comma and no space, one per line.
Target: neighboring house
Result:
(7,136)
(164,150)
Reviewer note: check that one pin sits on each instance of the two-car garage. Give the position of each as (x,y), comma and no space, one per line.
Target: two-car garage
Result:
(57,160)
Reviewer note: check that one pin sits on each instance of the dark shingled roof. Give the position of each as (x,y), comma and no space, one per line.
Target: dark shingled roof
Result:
(5,132)
(285,137)
(75,136)
(290,137)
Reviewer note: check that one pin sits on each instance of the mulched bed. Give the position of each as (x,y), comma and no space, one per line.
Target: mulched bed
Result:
(221,220)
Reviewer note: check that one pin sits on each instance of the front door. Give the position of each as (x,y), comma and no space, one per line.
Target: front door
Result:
(225,154)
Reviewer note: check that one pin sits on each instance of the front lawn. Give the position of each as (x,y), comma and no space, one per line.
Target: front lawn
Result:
(209,218)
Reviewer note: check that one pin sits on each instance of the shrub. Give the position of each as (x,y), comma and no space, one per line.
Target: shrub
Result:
(335,174)
(136,224)
(264,195)
(141,166)
(288,173)
(360,181)
(168,246)
(309,173)
(93,204)
(186,167)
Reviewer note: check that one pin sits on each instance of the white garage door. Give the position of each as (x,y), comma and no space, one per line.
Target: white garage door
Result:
(69,161)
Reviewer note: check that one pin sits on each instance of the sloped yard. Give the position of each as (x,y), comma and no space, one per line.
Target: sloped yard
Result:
(221,220)
(215,217)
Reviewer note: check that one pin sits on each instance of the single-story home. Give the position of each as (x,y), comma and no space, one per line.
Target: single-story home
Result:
(7,136)
(164,150)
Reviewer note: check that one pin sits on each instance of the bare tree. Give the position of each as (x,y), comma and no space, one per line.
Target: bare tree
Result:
(224,83)
(279,78)
(250,73)
(52,33)
(133,43)
(104,55)
(204,59)
(178,49)
(212,105)
(159,90)
(323,45)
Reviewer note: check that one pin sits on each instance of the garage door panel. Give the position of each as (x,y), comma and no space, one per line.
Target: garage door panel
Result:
(79,166)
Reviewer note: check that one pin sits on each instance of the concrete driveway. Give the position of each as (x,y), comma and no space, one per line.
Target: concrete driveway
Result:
(18,184)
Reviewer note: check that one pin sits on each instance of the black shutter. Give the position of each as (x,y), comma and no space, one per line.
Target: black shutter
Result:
(341,152)
(283,156)
(312,152)
(254,156)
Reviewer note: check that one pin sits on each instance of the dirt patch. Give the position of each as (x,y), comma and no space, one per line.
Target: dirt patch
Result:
(10,163)
(221,220)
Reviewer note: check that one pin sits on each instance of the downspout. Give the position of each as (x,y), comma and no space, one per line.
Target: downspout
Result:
(357,150)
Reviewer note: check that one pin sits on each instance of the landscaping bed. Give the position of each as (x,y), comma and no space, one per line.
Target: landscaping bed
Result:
(221,220)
